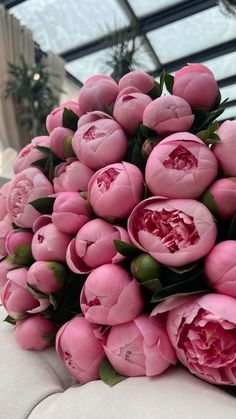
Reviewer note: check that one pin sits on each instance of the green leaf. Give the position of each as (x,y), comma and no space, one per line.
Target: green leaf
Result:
(43,149)
(53,301)
(37,294)
(189,286)
(169,81)
(44,205)
(232,229)
(126,249)
(153,285)
(40,163)
(10,320)
(183,269)
(212,139)
(49,168)
(136,156)
(156,91)
(146,131)
(162,79)
(108,375)
(69,119)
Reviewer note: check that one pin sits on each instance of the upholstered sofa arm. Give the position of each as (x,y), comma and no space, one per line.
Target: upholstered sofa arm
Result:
(35,385)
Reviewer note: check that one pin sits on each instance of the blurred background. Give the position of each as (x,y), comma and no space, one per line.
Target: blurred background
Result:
(48,48)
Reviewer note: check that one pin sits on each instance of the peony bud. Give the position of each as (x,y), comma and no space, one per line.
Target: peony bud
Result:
(46,277)
(35,332)
(18,245)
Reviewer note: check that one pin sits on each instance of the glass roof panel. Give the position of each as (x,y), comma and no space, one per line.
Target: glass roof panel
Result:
(228,92)
(146,7)
(91,64)
(229,113)
(60,25)
(192,34)
(224,66)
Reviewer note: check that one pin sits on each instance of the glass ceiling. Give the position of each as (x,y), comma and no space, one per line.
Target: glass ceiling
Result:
(168,30)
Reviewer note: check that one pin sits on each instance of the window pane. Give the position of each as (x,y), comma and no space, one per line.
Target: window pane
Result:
(192,34)
(60,25)
(224,66)
(146,7)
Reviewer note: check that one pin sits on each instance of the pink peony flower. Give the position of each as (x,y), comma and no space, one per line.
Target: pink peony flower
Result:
(72,176)
(50,244)
(92,116)
(139,79)
(94,246)
(70,212)
(79,345)
(140,347)
(5,229)
(180,166)
(203,333)
(55,118)
(225,150)
(100,143)
(46,277)
(126,91)
(220,267)
(97,92)
(197,85)
(128,110)
(6,265)
(29,154)
(110,296)
(17,299)
(35,332)
(167,115)
(60,142)
(18,245)
(114,190)
(25,187)
(174,231)
(221,197)
(3,199)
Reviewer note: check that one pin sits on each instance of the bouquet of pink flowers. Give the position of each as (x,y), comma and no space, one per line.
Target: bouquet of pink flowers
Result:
(118,231)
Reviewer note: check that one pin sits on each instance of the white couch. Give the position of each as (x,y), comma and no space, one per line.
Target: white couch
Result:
(35,385)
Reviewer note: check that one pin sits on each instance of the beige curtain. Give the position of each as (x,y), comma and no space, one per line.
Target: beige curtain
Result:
(15,40)
(56,68)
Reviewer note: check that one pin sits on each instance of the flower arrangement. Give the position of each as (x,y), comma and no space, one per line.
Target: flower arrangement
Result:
(118,231)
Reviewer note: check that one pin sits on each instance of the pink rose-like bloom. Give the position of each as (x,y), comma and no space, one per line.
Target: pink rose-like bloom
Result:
(128,110)
(17,299)
(18,245)
(174,231)
(50,244)
(223,193)
(100,143)
(203,333)
(25,187)
(180,166)
(139,79)
(92,116)
(225,150)
(97,92)
(35,332)
(93,246)
(220,267)
(167,115)
(6,265)
(115,190)
(70,212)
(72,176)
(127,90)
(46,277)
(197,85)
(3,199)
(30,153)
(110,296)
(60,142)
(55,118)
(140,347)
(5,229)
(79,345)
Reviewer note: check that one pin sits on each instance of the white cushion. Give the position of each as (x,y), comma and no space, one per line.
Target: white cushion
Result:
(35,385)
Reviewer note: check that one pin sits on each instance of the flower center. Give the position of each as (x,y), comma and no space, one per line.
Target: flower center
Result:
(181,159)
(175,228)
(93,133)
(94,302)
(106,178)
(19,195)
